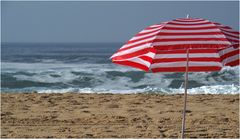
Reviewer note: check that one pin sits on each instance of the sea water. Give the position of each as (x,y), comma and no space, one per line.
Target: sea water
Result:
(86,68)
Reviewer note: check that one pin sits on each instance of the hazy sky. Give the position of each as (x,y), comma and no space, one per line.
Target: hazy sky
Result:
(101,21)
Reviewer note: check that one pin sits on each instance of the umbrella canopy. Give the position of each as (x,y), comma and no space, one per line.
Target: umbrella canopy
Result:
(181,45)
(163,47)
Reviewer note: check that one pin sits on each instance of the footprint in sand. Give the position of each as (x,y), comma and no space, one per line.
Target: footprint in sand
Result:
(84,107)
(85,111)
(136,103)
(88,135)
(113,106)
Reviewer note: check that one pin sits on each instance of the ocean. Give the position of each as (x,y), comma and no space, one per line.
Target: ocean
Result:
(86,68)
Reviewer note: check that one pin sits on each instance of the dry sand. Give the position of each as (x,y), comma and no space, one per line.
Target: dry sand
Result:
(106,115)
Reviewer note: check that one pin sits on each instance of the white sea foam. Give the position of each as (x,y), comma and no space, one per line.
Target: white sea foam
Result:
(35,67)
(218,89)
(47,77)
(110,78)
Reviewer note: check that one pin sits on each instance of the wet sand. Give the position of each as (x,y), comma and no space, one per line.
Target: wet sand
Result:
(105,115)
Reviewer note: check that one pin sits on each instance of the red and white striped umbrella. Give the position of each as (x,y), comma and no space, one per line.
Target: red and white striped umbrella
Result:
(162,47)
(181,45)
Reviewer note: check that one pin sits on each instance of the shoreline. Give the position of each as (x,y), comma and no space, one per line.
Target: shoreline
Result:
(118,115)
(114,93)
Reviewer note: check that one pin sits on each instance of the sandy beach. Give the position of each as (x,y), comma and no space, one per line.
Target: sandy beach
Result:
(106,115)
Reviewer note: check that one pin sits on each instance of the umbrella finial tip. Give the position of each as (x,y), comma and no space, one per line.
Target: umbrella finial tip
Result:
(187,15)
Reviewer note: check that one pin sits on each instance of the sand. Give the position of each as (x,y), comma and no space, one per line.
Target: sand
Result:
(105,115)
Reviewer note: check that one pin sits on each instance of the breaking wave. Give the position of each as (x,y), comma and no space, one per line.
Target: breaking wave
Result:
(57,77)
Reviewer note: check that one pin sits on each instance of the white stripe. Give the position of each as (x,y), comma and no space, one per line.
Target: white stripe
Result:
(222,26)
(189,19)
(149,30)
(191,55)
(232,38)
(230,30)
(184,36)
(227,28)
(189,31)
(143,36)
(190,42)
(189,36)
(183,64)
(192,26)
(150,54)
(230,59)
(158,25)
(140,61)
(199,22)
(227,50)
(138,42)
(131,50)
(232,34)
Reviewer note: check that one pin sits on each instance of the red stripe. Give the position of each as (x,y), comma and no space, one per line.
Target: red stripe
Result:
(133,54)
(192,19)
(202,59)
(188,33)
(149,28)
(182,39)
(232,53)
(235,45)
(135,45)
(190,39)
(216,23)
(171,23)
(225,27)
(221,26)
(177,39)
(192,46)
(233,63)
(132,64)
(189,20)
(145,33)
(190,69)
(192,28)
(227,35)
(190,51)
(136,40)
(231,40)
(146,58)
(233,32)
